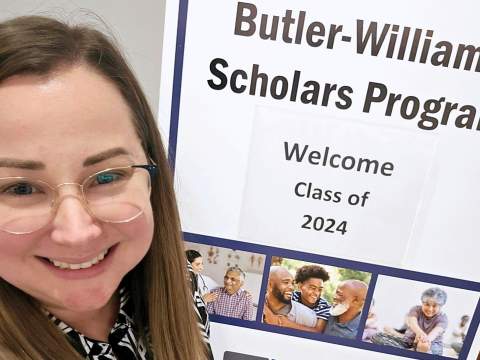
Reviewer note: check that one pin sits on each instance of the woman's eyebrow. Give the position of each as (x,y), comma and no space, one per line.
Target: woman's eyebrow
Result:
(104,155)
(21,164)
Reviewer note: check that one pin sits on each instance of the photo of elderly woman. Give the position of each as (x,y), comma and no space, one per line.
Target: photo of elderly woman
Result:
(421,320)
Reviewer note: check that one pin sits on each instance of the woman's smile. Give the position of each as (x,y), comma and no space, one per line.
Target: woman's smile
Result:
(76,270)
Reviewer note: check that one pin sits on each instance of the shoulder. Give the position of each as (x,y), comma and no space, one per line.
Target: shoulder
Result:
(415,311)
(322,306)
(246,294)
(442,318)
(321,303)
(302,314)
(302,309)
(355,322)
(296,296)
(322,309)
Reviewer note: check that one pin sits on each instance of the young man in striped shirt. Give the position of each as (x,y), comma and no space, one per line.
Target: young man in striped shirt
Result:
(310,280)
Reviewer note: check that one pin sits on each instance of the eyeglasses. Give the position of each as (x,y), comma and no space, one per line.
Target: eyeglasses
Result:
(114,195)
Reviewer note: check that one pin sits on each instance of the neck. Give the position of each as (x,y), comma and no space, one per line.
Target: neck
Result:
(231,292)
(348,315)
(274,304)
(95,324)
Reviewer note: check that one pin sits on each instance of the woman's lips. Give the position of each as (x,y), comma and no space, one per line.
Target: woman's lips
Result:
(81,273)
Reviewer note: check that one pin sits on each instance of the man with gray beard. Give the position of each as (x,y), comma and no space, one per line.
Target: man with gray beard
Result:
(346,309)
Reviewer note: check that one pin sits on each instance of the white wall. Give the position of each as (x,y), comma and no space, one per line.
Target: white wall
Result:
(138,27)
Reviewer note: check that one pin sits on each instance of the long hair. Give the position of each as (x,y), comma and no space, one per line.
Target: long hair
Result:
(162,302)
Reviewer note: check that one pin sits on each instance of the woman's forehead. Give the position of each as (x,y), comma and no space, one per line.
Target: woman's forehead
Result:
(429,301)
(75,112)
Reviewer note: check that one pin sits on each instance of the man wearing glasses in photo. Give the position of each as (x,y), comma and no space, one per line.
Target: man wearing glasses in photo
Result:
(231,299)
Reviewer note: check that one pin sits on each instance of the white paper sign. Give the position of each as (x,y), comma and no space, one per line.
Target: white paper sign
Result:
(333,186)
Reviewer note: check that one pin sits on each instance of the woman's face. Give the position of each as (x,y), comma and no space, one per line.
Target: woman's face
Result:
(430,307)
(197,265)
(62,129)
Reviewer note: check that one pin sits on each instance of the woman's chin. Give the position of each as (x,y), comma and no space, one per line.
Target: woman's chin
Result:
(81,301)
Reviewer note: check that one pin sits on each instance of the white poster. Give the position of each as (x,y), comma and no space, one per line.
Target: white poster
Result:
(340,137)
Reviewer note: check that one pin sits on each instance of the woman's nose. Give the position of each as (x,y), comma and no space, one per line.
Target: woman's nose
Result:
(72,223)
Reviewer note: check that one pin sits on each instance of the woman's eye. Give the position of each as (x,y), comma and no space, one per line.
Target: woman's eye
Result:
(20,189)
(107,178)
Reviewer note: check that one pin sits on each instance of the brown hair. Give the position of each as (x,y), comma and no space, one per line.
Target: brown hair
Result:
(40,45)
(311,271)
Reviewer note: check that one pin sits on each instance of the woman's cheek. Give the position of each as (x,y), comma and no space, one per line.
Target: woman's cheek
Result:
(140,230)
(16,246)
(137,237)
(16,258)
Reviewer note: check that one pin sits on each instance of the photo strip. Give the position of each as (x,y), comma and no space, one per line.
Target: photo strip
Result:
(334,300)
(317,298)
(229,280)
(419,316)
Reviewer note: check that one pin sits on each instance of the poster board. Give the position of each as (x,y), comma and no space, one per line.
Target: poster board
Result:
(338,135)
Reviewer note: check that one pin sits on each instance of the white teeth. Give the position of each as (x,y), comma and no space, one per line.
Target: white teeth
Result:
(84,265)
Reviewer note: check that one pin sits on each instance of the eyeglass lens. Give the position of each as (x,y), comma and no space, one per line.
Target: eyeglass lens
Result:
(113,195)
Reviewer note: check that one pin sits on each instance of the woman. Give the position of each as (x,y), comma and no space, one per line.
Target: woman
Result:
(204,282)
(89,229)
(425,325)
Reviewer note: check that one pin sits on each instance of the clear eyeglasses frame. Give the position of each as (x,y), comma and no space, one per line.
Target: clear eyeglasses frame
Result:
(113,195)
